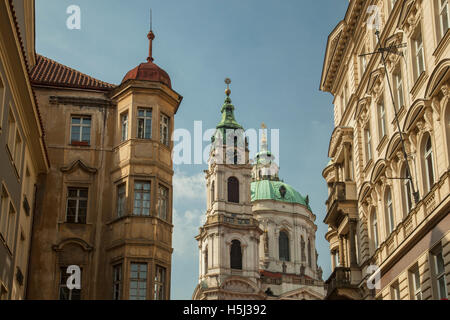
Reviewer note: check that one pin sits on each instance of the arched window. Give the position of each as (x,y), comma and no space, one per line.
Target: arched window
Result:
(389,209)
(233,190)
(283,243)
(236,255)
(309,254)
(429,164)
(374,227)
(206,260)
(406,192)
(213,192)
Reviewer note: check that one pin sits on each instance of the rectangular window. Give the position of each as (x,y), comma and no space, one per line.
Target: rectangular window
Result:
(4,213)
(18,151)
(444,21)
(363,64)
(419,57)
(124,126)
(415,282)
(160,282)
(144,125)
(163,201)
(121,190)
(11,222)
(439,273)
(381,119)
(138,281)
(117,282)
(141,198)
(64,292)
(395,291)
(11,133)
(164,130)
(368,138)
(77,201)
(398,90)
(80,130)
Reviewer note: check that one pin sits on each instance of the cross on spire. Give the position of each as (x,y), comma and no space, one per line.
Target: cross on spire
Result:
(228,90)
(151,37)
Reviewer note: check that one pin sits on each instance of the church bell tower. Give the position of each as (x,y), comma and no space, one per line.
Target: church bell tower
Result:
(229,239)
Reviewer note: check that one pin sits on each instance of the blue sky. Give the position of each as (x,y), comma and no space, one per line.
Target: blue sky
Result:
(273,52)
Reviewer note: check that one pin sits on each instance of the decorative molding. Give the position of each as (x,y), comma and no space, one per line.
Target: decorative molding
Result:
(78,164)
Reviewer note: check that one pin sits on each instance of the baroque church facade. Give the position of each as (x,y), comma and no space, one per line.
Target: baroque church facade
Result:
(258,241)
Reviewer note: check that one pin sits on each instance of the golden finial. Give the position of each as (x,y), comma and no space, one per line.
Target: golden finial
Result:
(263,126)
(228,91)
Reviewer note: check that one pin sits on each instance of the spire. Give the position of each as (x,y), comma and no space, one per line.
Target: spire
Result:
(228,121)
(151,37)
(263,147)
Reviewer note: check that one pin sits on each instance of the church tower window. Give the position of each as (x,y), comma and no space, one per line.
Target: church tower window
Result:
(236,255)
(233,190)
(283,242)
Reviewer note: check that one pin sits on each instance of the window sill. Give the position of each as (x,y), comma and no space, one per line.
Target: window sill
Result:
(400,113)
(382,144)
(80,144)
(418,84)
(442,45)
(367,167)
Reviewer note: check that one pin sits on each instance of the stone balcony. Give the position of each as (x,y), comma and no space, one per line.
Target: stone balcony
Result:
(341,203)
(343,284)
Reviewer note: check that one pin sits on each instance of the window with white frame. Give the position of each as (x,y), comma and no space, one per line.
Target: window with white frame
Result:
(124,126)
(407,199)
(336,258)
(121,192)
(398,89)
(363,62)
(77,201)
(138,281)
(416,289)
(429,164)
(160,283)
(444,20)
(389,211)
(164,130)
(418,54)
(163,202)
(381,119)
(374,225)
(18,151)
(117,282)
(11,223)
(4,214)
(440,282)
(144,123)
(64,292)
(141,198)
(368,140)
(11,133)
(80,129)
(395,291)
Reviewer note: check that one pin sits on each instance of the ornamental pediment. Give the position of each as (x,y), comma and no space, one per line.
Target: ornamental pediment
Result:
(339,136)
(375,82)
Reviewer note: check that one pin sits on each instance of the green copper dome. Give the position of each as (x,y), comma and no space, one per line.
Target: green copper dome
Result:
(278,191)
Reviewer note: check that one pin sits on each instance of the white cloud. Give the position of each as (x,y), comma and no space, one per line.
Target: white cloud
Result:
(189,187)
(186,224)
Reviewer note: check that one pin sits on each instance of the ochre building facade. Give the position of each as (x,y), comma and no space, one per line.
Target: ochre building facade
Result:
(378,219)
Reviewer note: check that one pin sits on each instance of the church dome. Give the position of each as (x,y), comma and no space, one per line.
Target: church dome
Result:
(148,71)
(278,191)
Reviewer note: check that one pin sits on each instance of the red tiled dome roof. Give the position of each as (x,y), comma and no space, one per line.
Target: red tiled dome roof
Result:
(148,71)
